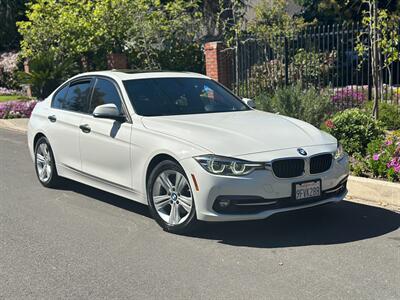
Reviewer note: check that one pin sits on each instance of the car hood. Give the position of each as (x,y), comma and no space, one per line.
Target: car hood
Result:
(239,133)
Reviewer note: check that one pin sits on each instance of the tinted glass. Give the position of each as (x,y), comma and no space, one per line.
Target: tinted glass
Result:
(59,98)
(104,92)
(176,96)
(77,96)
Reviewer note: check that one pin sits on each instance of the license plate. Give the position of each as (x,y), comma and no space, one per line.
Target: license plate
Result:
(309,189)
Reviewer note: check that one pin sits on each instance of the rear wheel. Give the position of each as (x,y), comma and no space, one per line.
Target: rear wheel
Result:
(171,199)
(44,163)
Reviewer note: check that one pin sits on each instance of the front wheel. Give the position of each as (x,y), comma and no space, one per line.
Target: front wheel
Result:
(171,199)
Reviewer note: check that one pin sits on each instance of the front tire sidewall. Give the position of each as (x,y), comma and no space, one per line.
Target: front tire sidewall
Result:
(53,180)
(190,223)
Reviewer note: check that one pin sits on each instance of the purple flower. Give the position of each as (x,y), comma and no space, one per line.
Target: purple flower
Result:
(348,96)
(388,142)
(8,92)
(16,109)
(397,169)
(375,156)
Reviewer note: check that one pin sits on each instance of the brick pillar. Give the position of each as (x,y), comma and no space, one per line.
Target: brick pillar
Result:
(117,61)
(28,87)
(218,63)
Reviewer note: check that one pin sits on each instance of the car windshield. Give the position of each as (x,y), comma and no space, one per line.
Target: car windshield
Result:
(179,96)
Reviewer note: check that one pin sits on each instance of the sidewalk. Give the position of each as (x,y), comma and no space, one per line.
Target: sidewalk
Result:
(20,125)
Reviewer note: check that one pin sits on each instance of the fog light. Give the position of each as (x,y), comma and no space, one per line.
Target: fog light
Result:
(224,203)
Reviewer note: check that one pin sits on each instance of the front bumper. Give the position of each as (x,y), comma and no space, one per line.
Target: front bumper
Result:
(260,194)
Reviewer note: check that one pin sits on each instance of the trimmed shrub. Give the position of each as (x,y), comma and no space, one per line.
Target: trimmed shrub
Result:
(308,105)
(355,129)
(389,114)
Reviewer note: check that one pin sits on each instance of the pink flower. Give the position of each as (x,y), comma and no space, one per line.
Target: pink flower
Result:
(388,142)
(329,124)
(376,156)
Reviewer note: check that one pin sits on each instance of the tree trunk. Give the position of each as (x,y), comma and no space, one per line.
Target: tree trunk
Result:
(375,59)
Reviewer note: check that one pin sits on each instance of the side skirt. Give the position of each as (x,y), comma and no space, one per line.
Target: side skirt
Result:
(99,183)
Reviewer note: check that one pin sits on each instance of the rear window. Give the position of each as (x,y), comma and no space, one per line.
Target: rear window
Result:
(59,98)
(77,97)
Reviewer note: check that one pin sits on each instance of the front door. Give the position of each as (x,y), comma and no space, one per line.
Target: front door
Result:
(105,143)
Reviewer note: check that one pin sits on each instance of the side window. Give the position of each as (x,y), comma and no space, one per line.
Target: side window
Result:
(77,96)
(59,98)
(104,92)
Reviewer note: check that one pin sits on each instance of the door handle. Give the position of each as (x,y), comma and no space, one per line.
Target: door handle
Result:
(85,128)
(52,118)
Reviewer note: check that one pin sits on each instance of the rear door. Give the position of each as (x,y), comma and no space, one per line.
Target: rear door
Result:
(105,143)
(68,106)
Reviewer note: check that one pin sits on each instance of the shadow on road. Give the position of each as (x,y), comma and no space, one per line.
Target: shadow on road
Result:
(329,224)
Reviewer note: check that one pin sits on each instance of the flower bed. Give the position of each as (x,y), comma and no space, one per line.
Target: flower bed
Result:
(16,109)
(382,159)
(348,97)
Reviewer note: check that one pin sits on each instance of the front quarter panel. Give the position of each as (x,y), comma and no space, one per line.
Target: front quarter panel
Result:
(147,144)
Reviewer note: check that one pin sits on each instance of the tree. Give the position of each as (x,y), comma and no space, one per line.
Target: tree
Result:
(338,11)
(144,29)
(273,21)
(381,40)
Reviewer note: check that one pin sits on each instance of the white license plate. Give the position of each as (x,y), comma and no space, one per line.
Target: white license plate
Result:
(310,189)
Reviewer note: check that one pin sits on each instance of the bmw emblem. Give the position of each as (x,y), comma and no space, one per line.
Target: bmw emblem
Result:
(302,151)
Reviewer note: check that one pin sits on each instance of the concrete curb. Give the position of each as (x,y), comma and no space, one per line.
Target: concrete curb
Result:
(20,125)
(373,190)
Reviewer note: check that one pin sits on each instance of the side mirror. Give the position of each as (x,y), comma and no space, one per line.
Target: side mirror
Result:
(108,111)
(249,102)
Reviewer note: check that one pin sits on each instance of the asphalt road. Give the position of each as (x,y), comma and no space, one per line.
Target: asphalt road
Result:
(79,242)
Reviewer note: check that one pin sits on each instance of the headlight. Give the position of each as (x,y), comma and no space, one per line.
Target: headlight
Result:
(220,165)
(339,153)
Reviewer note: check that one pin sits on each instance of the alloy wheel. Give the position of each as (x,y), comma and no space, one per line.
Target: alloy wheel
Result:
(172,197)
(43,162)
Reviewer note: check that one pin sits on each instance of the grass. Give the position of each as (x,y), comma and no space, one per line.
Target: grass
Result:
(4,98)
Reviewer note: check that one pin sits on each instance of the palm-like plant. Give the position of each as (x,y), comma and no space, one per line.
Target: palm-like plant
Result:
(47,73)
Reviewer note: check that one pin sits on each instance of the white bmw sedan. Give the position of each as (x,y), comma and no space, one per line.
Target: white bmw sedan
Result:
(183,145)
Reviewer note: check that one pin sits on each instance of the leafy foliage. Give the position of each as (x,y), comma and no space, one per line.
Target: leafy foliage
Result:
(231,20)
(389,114)
(355,129)
(149,31)
(308,105)
(273,21)
(339,11)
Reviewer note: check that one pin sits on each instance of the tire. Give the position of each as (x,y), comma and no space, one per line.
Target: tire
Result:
(45,166)
(169,200)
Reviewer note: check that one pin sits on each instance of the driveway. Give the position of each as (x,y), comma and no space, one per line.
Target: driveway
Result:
(79,242)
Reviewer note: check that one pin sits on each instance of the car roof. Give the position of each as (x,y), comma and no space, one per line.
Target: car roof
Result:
(135,74)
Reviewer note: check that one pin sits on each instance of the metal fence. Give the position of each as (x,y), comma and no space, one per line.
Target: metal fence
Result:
(319,56)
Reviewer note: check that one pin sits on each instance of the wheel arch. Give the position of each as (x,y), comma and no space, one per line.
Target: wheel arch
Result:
(36,138)
(155,161)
